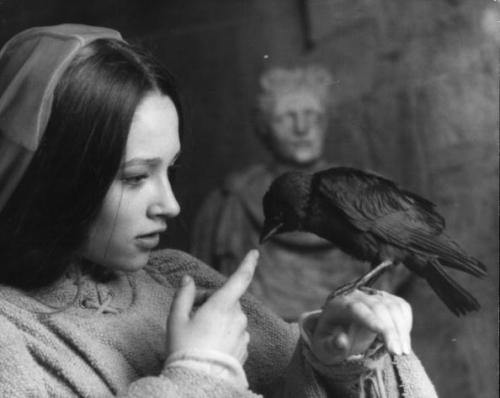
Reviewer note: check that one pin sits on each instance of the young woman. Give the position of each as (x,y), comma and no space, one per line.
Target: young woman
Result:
(90,130)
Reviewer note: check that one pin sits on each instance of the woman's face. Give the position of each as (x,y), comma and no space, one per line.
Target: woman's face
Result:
(297,128)
(140,199)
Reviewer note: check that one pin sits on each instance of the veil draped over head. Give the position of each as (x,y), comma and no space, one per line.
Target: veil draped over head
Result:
(31,65)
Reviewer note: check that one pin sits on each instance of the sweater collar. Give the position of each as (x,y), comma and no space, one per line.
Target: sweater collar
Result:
(83,288)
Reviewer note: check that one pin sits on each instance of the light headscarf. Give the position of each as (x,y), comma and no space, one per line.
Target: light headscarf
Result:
(31,65)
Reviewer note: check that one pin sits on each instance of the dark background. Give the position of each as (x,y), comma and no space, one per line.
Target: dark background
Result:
(415,98)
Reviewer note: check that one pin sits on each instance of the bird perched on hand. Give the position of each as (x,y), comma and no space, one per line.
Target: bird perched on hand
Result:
(370,218)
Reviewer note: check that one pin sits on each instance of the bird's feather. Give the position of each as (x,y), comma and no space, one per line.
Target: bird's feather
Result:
(456,298)
(401,230)
(364,199)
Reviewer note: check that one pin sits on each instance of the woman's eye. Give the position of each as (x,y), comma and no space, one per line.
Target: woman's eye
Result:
(134,179)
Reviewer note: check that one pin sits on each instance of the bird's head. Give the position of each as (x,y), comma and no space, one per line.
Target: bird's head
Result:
(285,204)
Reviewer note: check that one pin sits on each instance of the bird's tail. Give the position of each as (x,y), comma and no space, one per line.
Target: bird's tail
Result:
(456,298)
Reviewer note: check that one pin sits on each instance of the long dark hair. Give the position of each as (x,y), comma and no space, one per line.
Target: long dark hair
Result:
(47,218)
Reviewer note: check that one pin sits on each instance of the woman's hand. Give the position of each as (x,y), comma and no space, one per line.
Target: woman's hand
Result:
(219,324)
(349,324)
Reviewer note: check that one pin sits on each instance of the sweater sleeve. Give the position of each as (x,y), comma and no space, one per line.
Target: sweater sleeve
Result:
(20,375)
(27,373)
(213,362)
(184,382)
(304,376)
(368,374)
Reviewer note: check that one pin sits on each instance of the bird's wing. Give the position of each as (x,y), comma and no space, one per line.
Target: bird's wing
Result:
(407,231)
(366,202)
(397,217)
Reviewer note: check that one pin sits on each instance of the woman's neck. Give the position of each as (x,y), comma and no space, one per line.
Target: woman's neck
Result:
(96,271)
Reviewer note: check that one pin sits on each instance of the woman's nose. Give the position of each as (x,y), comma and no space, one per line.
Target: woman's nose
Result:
(165,203)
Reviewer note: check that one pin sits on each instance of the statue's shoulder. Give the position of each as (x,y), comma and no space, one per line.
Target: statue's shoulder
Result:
(245,179)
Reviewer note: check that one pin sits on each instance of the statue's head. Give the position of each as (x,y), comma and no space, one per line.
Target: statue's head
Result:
(292,117)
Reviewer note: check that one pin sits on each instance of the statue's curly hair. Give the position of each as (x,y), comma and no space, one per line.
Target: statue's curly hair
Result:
(278,81)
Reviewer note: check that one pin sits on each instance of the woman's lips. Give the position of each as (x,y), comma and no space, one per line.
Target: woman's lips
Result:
(149,241)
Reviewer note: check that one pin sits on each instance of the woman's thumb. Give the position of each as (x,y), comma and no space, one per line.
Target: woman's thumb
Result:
(183,301)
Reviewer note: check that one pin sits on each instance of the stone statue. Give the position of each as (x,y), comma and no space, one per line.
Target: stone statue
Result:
(297,270)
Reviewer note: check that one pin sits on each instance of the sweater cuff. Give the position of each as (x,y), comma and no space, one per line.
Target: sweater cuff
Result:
(212,362)
(350,372)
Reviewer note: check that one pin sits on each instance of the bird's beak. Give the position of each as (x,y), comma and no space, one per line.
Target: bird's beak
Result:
(268,230)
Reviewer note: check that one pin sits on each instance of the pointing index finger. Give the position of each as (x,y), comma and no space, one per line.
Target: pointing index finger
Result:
(237,284)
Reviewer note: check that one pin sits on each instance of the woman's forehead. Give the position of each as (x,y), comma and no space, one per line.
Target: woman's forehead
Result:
(154,131)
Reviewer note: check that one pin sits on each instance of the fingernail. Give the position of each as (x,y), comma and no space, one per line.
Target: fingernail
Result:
(186,280)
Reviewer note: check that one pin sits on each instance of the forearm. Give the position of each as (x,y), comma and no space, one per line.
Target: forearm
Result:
(374,373)
(401,376)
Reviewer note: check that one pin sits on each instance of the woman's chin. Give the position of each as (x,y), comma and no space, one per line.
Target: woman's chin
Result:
(128,264)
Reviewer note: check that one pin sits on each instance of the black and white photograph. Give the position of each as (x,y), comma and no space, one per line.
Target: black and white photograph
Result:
(249,198)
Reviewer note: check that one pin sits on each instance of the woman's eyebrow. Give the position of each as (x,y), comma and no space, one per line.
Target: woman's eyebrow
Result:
(148,161)
(142,161)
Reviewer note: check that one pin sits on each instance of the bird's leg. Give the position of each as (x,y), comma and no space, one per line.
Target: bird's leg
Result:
(366,280)
(371,277)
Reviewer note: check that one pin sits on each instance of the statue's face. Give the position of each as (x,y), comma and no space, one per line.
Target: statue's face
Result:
(297,128)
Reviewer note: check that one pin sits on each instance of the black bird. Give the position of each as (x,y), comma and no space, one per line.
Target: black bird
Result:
(372,219)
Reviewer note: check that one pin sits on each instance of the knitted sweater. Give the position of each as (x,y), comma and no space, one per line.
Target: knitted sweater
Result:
(107,338)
